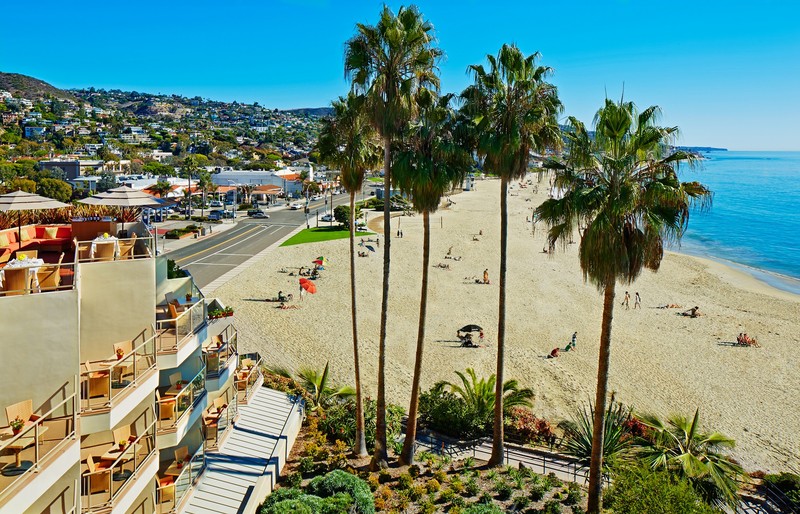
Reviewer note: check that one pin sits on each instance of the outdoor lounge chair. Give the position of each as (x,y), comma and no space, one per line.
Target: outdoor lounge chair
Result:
(99,474)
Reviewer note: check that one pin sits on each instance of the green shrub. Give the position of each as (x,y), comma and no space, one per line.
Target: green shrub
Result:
(417,492)
(447,495)
(486,498)
(339,481)
(553,481)
(294,479)
(503,490)
(404,481)
(306,465)
(433,485)
(457,485)
(537,492)
(551,507)
(642,490)
(384,476)
(472,487)
(426,506)
(573,494)
(520,502)
(440,475)
(338,422)
(789,483)
(449,414)
(414,470)
(469,462)
(458,501)
(483,509)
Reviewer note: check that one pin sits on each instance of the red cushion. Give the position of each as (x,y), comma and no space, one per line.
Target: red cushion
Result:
(40,232)
(64,232)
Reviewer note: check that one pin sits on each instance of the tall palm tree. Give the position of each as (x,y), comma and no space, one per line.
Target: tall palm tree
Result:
(388,63)
(161,188)
(429,161)
(514,111)
(204,183)
(681,447)
(348,142)
(623,187)
(189,168)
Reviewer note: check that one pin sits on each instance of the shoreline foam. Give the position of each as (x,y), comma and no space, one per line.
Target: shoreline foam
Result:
(661,363)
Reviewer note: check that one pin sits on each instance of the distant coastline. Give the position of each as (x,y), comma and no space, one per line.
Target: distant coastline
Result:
(701,149)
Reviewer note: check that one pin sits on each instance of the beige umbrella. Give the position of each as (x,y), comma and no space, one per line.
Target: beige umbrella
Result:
(21,201)
(124,197)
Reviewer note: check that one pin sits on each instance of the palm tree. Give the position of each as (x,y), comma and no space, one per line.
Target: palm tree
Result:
(321,394)
(187,170)
(679,446)
(617,440)
(514,112)
(623,187)
(428,163)
(347,142)
(204,183)
(388,63)
(161,188)
(479,394)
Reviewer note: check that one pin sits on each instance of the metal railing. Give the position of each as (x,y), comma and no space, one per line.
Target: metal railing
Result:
(123,249)
(171,409)
(220,350)
(247,376)
(187,479)
(108,382)
(172,332)
(217,426)
(43,278)
(64,413)
(112,482)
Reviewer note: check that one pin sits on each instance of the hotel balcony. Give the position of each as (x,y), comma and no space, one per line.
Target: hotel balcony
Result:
(112,388)
(181,328)
(106,248)
(179,407)
(34,273)
(117,466)
(37,448)
(219,418)
(177,479)
(220,356)
(248,377)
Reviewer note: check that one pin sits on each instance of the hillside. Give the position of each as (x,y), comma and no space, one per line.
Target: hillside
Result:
(30,88)
(313,111)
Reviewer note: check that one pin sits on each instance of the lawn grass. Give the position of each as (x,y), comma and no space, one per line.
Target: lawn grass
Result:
(315,235)
(375,179)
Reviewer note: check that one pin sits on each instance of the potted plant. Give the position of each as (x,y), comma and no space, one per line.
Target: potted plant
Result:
(16,425)
(228,311)
(179,464)
(120,353)
(123,444)
(188,297)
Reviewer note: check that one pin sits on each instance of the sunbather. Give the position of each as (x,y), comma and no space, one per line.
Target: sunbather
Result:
(693,312)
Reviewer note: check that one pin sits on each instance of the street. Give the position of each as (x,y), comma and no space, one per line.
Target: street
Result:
(215,255)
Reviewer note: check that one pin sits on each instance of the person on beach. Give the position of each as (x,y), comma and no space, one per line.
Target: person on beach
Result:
(627,301)
(574,340)
(281,297)
(637,301)
(554,353)
(693,312)
(486,276)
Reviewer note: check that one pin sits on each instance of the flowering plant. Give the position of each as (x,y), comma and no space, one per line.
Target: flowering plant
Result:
(120,353)
(105,235)
(17,423)
(21,256)
(123,444)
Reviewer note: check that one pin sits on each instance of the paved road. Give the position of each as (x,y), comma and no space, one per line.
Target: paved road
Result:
(213,256)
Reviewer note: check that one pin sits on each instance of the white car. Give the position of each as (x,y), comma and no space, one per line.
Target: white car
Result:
(296,206)
(327,218)
(317,197)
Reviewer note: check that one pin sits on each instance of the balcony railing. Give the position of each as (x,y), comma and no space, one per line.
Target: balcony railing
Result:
(101,487)
(173,407)
(220,350)
(173,331)
(42,437)
(172,492)
(17,279)
(248,375)
(219,417)
(103,382)
(113,249)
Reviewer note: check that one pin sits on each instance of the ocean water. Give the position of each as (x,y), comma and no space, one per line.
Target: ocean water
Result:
(754,220)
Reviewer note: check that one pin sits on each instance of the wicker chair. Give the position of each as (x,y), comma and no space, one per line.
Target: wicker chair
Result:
(16,281)
(104,251)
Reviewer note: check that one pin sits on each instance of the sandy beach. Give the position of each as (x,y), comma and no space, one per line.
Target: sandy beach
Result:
(661,362)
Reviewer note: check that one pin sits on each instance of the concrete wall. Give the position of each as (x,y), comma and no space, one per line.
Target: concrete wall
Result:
(60,498)
(117,303)
(39,348)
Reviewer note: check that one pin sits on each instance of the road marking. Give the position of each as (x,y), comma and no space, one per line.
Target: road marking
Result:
(260,232)
(219,244)
(198,263)
(236,254)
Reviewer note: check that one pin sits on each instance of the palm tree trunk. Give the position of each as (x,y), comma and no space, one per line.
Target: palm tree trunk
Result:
(596,464)
(407,456)
(380,458)
(497,437)
(360,446)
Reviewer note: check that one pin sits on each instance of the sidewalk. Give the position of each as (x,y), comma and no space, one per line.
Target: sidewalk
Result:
(167,245)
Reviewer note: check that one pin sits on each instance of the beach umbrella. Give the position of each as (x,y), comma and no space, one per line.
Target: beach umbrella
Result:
(124,197)
(370,248)
(321,260)
(470,328)
(21,201)
(308,285)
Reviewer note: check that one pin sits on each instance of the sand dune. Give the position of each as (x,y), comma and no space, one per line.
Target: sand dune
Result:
(661,362)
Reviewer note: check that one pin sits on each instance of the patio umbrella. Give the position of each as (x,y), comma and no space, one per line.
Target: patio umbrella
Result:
(308,285)
(124,197)
(470,328)
(21,201)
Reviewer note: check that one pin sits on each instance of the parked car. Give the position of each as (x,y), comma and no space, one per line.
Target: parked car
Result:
(327,218)
(215,203)
(261,215)
(216,215)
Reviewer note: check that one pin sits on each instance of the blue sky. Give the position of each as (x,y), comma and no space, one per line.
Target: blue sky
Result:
(726,73)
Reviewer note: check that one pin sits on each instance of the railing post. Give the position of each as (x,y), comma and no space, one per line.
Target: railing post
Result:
(36,439)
